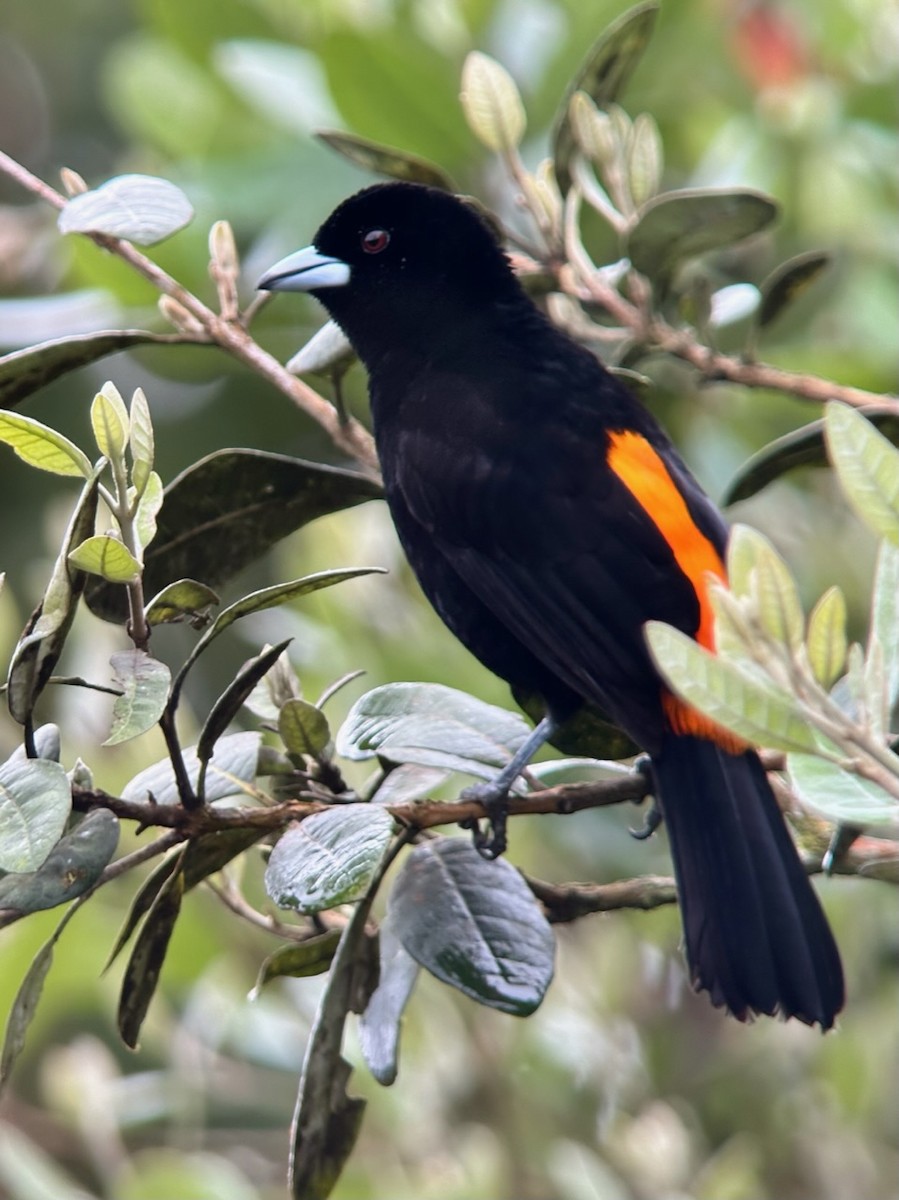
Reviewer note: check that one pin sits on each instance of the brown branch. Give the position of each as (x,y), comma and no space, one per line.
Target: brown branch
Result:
(349,436)
(568,901)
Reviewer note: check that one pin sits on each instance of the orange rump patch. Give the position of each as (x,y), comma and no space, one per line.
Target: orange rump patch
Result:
(644,473)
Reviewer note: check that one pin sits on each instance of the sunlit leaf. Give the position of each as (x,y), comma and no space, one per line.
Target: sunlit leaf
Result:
(677,226)
(749,705)
(143,449)
(147,510)
(142,208)
(385,160)
(42,447)
(144,682)
(107,556)
(867,467)
(110,422)
(492,103)
(35,802)
(474,924)
(186,599)
(603,76)
(840,795)
(328,859)
(825,639)
(754,568)
(884,628)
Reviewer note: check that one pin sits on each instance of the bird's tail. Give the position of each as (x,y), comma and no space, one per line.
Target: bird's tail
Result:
(756,937)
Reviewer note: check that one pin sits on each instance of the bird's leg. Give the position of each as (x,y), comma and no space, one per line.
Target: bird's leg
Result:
(494,795)
(654,818)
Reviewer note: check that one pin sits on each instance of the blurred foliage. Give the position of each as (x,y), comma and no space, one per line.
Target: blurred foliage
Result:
(623,1084)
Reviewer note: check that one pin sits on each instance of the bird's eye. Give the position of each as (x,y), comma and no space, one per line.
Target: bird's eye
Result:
(375,240)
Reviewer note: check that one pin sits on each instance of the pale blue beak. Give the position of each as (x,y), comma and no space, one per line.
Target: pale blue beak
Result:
(305,270)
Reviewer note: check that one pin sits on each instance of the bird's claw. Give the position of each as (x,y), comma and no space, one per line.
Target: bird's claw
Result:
(491,842)
(650,825)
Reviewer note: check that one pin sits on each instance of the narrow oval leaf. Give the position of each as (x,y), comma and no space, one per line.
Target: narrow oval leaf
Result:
(106,556)
(826,641)
(328,859)
(884,625)
(644,159)
(144,681)
(867,467)
(746,703)
(143,447)
(231,700)
(109,420)
(225,511)
(35,802)
(147,510)
(839,795)
(303,729)
(386,160)
(328,352)
(145,964)
(677,226)
(73,865)
(756,570)
(142,208)
(184,600)
(787,282)
(24,372)
(298,960)
(231,771)
(42,447)
(379,1025)
(803,447)
(44,636)
(473,924)
(433,726)
(603,76)
(492,103)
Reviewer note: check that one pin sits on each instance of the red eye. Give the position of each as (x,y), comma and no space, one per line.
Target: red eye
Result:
(375,241)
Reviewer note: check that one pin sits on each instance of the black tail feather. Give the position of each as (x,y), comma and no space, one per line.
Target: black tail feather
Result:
(756,937)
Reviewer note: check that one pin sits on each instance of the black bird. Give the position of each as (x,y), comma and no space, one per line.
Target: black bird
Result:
(548,517)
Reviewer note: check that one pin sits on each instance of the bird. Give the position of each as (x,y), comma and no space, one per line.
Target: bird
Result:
(548,517)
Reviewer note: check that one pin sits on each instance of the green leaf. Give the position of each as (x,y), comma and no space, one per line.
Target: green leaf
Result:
(304,729)
(279,685)
(225,511)
(107,556)
(677,226)
(804,447)
(603,76)
(143,448)
(231,700)
(884,625)
(42,641)
(787,282)
(825,640)
(492,103)
(35,802)
(147,510)
(385,160)
(142,208)
(867,467)
(644,159)
(298,960)
(840,795)
(328,859)
(231,772)
(42,447)
(473,924)
(24,372)
(754,568)
(328,352)
(407,783)
(73,866)
(145,964)
(730,693)
(186,599)
(379,1025)
(433,726)
(110,423)
(144,681)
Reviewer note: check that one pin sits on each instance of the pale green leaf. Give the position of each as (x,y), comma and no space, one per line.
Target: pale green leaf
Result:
(179,601)
(727,692)
(106,556)
(304,729)
(492,103)
(109,421)
(42,447)
(144,681)
(35,802)
(644,159)
(756,571)
(867,466)
(840,795)
(825,640)
(142,208)
(885,618)
(143,449)
(147,509)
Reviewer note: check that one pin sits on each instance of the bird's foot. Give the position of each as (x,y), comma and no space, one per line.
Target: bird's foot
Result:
(654,818)
(491,842)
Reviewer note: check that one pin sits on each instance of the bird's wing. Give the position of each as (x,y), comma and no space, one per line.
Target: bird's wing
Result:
(574,561)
